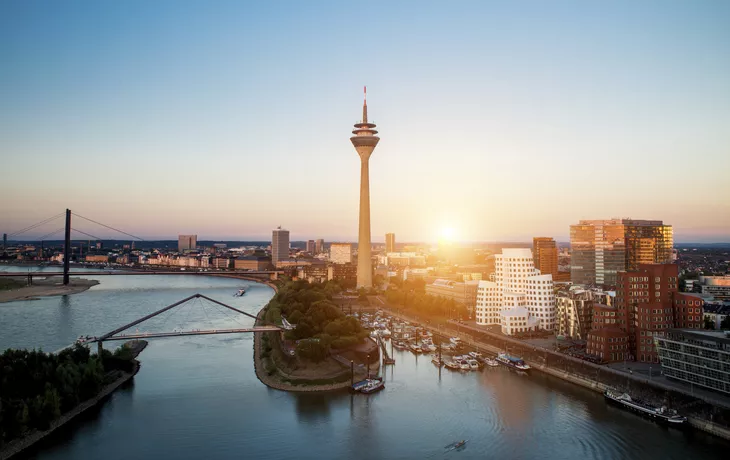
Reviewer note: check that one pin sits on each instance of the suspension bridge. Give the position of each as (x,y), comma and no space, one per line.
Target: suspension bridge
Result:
(119,333)
(67,254)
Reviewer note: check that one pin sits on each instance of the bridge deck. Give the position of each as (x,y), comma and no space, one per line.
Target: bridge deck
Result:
(152,335)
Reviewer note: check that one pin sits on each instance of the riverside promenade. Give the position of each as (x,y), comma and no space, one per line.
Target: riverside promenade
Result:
(707,412)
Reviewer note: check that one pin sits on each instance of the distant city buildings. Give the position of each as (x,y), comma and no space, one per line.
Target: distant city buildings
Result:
(187,242)
(389,242)
(252,263)
(402,259)
(520,299)
(319,246)
(341,253)
(602,248)
(648,303)
(545,254)
(279,245)
(311,247)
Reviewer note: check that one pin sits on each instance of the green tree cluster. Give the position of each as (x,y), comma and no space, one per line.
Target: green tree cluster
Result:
(320,324)
(37,387)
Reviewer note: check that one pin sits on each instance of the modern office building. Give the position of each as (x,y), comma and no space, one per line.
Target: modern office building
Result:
(602,248)
(279,245)
(341,253)
(364,141)
(716,286)
(346,274)
(648,304)
(402,259)
(252,263)
(520,298)
(311,247)
(389,242)
(696,356)
(545,253)
(187,242)
(319,246)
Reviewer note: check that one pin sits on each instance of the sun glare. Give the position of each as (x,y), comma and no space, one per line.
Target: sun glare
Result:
(448,234)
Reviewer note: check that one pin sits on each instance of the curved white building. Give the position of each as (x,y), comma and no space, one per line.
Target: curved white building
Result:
(520,298)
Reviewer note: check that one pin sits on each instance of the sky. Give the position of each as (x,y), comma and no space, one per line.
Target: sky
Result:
(498,120)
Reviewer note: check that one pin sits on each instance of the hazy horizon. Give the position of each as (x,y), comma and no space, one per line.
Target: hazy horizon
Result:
(500,121)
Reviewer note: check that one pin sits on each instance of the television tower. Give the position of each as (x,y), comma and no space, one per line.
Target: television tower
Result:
(364,140)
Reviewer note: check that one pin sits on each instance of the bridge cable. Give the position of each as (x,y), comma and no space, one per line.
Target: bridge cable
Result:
(38,224)
(51,234)
(230,315)
(87,234)
(107,226)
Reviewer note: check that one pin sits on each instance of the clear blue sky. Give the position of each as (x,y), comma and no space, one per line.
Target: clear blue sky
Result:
(502,120)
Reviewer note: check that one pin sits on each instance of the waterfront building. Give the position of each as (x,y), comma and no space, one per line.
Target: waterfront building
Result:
(389,242)
(648,303)
(574,312)
(341,253)
(464,293)
(520,298)
(319,246)
(602,248)
(716,286)
(311,247)
(279,245)
(697,357)
(187,242)
(364,141)
(545,253)
(221,262)
(258,263)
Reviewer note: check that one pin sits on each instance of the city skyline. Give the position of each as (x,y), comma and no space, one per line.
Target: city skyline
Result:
(144,111)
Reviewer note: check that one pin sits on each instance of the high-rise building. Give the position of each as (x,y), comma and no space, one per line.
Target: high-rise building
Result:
(279,245)
(545,252)
(389,242)
(319,246)
(341,253)
(311,247)
(520,298)
(648,303)
(602,248)
(186,242)
(364,141)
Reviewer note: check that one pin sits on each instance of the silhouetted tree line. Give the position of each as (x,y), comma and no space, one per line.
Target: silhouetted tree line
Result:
(37,387)
(320,324)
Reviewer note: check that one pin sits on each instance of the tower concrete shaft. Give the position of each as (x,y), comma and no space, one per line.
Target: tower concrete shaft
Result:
(364,141)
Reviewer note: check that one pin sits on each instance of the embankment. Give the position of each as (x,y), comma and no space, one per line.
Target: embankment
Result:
(45,288)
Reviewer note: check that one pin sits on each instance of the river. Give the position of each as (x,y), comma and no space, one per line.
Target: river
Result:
(198,397)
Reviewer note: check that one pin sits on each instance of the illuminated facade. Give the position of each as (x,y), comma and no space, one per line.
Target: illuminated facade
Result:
(602,248)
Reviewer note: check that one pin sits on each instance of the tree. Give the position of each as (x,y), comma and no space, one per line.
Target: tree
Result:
(709,324)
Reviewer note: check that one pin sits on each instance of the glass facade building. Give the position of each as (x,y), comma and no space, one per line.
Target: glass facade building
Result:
(696,356)
(602,248)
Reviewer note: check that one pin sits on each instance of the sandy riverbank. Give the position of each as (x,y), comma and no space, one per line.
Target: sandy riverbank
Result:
(51,286)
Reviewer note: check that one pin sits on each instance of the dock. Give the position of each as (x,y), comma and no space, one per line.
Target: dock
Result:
(386,357)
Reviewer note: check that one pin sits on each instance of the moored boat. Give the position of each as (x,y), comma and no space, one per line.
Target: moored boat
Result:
(240,292)
(511,361)
(659,414)
(473,364)
(437,361)
(370,385)
(453,365)
(491,362)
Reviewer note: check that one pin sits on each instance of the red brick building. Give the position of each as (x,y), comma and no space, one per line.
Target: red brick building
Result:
(647,305)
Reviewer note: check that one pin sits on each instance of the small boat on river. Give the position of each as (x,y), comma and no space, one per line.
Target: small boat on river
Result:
(240,292)
(370,385)
(511,361)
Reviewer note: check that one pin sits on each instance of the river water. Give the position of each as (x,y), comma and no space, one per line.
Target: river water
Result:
(198,397)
